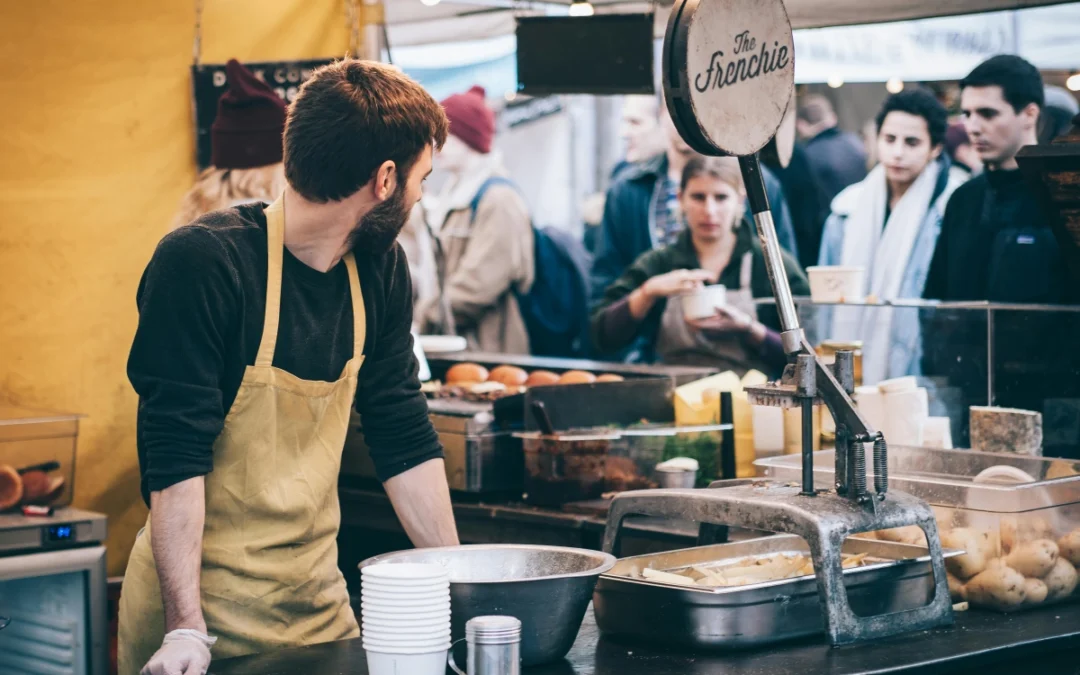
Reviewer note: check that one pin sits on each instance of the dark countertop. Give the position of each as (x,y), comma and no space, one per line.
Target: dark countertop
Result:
(1040,642)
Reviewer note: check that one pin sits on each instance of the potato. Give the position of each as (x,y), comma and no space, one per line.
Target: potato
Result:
(956,589)
(1069,547)
(1035,591)
(909,534)
(999,588)
(974,560)
(1033,559)
(1015,532)
(1061,581)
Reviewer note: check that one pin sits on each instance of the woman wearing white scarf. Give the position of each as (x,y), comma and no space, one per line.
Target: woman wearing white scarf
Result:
(889,224)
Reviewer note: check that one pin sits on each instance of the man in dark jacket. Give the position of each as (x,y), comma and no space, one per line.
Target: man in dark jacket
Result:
(837,157)
(641,211)
(996,244)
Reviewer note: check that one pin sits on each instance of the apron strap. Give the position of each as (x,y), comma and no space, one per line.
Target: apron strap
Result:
(275,253)
(359,312)
(745,270)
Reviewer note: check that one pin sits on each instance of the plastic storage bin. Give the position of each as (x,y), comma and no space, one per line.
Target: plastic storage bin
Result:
(40,446)
(1017,518)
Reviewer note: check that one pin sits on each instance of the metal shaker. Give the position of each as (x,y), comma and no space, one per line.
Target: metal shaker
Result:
(494,646)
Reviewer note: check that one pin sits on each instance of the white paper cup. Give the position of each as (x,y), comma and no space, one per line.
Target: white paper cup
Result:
(399,605)
(389,612)
(418,629)
(836,284)
(399,646)
(417,638)
(407,572)
(386,619)
(404,593)
(425,663)
(703,303)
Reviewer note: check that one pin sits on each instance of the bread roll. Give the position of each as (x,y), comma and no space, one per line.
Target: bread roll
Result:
(466,373)
(11,487)
(610,377)
(541,378)
(577,377)
(511,376)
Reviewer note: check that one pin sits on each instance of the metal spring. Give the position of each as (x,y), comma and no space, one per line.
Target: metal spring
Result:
(881,466)
(859,462)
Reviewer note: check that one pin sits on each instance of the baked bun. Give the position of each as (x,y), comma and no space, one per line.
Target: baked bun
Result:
(511,376)
(541,378)
(11,487)
(610,377)
(466,373)
(577,377)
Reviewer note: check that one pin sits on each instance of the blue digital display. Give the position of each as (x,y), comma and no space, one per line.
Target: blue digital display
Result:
(61,533)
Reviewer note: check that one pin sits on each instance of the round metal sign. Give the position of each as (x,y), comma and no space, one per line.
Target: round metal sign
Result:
(729,73)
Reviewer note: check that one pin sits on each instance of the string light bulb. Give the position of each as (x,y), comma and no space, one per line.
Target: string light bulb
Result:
(430,3)
(1073,83)
(835,81)
(895,85)
(581,8)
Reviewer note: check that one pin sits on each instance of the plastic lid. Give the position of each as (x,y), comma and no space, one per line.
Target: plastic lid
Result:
(493,630)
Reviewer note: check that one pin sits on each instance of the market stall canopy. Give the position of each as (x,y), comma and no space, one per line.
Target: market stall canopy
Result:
(410,22)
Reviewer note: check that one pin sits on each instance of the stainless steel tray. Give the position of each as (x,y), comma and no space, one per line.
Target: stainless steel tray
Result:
(755,614)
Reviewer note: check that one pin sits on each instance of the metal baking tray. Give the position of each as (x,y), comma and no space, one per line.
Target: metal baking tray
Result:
(755,614)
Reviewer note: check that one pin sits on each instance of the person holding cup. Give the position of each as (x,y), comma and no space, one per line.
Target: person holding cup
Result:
(693,301)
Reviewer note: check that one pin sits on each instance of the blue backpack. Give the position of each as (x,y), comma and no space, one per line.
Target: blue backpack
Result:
(556,309)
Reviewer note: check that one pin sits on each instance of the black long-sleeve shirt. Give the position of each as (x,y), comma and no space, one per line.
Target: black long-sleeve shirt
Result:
(201,306)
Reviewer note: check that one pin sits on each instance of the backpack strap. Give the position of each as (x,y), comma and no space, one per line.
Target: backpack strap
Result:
(490,182)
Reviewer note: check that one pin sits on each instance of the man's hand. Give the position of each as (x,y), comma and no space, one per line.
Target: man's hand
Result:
(184,652)
(421,499)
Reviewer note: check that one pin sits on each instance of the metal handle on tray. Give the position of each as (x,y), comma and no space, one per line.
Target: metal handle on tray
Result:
(678,503)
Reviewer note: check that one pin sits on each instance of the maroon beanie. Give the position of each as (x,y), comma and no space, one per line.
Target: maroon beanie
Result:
(470,119)
(250,121)
(955,136)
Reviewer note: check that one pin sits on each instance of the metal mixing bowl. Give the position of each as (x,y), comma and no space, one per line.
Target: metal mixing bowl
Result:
(547,587)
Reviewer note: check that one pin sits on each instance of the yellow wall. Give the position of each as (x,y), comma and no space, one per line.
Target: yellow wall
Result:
(96,148)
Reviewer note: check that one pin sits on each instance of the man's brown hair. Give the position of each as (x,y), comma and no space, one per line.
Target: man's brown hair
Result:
(348,119)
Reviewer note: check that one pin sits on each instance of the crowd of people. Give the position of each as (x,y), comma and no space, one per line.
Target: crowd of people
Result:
(933,209)
(944,214)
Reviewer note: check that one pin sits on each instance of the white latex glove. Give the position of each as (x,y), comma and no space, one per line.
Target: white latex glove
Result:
(183,652)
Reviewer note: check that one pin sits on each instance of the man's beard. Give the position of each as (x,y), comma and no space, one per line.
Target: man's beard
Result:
(378,229)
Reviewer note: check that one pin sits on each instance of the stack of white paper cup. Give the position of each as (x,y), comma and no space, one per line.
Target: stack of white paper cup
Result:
(406,618)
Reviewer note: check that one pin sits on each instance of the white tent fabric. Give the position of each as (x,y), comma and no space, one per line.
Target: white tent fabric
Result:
(410,22)
(944,48)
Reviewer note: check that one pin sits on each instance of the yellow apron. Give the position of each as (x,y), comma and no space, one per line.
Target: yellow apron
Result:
(269,556)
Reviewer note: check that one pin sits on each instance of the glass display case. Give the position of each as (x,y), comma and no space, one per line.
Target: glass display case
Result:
(965,354)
